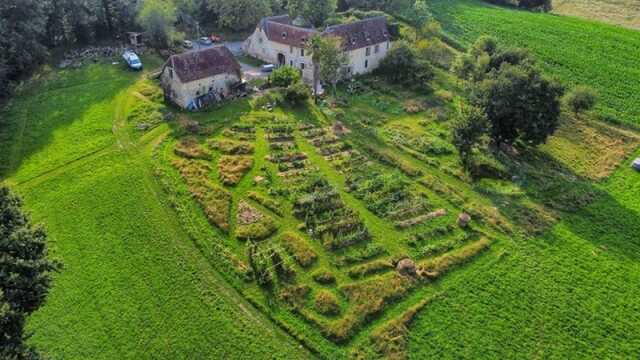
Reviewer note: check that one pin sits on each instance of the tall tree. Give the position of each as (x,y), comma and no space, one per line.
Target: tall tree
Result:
(25,275)
(315,12)
(328,58)
(240,14)
(520,103)
(158,17)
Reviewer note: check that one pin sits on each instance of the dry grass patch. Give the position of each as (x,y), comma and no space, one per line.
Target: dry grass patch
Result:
(189,148)
(215,201)
(374,267)
(269,203)
(232,147)
(324,277)
(231,169)
(326,303)
(297,246)
(592,150)
(619,12)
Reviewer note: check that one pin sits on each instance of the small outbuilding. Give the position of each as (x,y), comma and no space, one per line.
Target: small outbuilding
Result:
(196,79)
(636,164)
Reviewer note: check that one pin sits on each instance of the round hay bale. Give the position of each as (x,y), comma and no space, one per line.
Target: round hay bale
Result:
(406,267)
(464,219)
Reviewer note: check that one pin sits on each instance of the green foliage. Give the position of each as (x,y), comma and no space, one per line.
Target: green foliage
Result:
(561,45)
(297,246)
(328,59)
(402,66)
(158,17)
(25,274)
(297,94)
(536,5)
(285,76)
(314,11)
(520,103)
(240,15)
(581,99)
(467,132)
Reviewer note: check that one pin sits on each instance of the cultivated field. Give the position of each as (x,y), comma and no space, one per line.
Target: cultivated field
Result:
(576,51)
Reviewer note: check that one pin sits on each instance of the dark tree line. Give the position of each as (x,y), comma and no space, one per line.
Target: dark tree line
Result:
(25,276)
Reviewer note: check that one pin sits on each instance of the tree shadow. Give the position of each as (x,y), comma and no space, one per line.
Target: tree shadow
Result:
(554,194)
(29,120)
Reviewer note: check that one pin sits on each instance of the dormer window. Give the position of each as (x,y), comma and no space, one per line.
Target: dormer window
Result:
(284,34)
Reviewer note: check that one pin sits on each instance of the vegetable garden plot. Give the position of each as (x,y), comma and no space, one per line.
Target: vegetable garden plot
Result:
(300,224)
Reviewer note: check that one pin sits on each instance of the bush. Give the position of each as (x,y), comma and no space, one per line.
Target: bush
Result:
(326,303)
(269,98)
(285,76)
(297,94)
(581,99)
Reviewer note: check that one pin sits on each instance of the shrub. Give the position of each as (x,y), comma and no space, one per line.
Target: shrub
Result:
(297,246)
(581,99)
(285,76)
(295,295)
(326,303)
(296,94)
(271,97)
(189,148)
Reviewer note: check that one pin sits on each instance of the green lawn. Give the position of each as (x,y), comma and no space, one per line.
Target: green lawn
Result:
(576,51)
(133,284)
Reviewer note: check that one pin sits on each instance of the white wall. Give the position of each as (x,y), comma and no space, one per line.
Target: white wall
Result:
(184,93)
(360,63)
(258,46)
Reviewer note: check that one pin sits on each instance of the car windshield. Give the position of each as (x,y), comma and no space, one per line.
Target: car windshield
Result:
(135,61)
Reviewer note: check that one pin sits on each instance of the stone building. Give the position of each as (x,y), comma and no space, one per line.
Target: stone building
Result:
(195,79)
(276,40)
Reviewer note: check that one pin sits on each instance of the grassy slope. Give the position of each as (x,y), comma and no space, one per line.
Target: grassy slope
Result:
(570,293)
(620,12)
(574,50)
(133,285)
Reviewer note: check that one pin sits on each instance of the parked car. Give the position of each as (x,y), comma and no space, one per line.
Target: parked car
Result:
(267,68)
(205,41)
(636,164)
(132,60)
(187,44)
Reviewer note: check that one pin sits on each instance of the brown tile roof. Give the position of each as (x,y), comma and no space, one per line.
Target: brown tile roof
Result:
(361,33)
(279,29)
(204,63)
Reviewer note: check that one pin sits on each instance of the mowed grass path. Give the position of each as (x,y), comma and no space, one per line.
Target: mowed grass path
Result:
(133,285)
(575,51)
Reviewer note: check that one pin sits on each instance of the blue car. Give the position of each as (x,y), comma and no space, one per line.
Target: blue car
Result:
(132,60)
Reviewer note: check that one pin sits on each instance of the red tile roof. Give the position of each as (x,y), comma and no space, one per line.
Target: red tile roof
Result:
(361,33)
(355,35)
(279,29)
(204,63)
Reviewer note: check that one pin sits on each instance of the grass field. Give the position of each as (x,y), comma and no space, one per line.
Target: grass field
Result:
(576,51)
(618,12)
(133,284)
(276,234)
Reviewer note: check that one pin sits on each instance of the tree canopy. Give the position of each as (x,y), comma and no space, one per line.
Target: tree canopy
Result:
(315,12)
(25,275)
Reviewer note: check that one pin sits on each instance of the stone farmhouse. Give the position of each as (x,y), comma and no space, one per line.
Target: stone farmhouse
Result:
(195,79)
(278,41)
